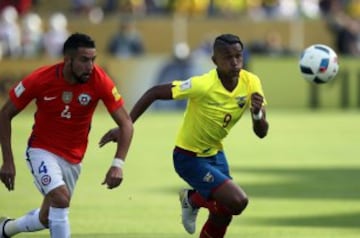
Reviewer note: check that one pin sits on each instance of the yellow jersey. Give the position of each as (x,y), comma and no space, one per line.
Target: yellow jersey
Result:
(211,109)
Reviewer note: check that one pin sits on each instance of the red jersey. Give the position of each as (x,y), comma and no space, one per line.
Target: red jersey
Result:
(64,111)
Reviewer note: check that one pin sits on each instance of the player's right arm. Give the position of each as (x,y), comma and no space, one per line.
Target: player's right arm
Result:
(7,170)
(158,92)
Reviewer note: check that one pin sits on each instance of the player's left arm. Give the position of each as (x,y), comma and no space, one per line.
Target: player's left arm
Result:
(260,124)
(124,132)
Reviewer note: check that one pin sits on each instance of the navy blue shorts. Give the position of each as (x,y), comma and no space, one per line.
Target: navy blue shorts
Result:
(204,174)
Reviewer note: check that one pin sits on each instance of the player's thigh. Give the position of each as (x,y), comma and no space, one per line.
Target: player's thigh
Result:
(199,173)
(50,171)
(228,191)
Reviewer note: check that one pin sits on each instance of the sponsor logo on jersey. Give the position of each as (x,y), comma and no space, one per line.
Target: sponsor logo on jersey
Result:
(84,99)
(67,97)
(19,89)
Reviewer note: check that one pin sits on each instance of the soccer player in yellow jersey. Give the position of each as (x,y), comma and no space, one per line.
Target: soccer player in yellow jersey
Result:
(216,101)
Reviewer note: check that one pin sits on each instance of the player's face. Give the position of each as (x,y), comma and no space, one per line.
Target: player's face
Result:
(82,64)
(229,60)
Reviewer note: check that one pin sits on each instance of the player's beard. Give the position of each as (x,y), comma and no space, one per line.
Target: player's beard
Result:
(79,79)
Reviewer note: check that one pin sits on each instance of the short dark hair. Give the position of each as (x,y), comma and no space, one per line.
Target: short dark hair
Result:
(77,40)
(226,39)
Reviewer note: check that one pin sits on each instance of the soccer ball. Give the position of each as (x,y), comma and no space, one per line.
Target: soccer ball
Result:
(318,64)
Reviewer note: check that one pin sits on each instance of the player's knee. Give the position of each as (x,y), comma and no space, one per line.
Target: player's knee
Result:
(239,206)
(60,197)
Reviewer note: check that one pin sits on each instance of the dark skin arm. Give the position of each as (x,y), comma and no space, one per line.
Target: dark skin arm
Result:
(260,127)
(7,170)
(159,92)
(162,92)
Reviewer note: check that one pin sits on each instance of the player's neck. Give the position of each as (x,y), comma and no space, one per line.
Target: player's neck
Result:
(67,75)
(229,83)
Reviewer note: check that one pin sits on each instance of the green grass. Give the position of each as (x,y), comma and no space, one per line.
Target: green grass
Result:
(302,180)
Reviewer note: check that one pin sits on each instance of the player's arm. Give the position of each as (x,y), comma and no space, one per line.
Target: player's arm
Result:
(159,92)
(7,170)
(260,125)
(124,133)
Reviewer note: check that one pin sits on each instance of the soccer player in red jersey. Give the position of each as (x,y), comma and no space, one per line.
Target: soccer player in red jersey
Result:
(66,95)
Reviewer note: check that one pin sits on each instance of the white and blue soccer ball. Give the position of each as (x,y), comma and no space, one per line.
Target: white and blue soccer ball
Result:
(319,64)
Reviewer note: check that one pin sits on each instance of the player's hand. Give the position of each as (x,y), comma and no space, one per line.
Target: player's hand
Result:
(7,175)
(111,135)
(256,102)
(113,177)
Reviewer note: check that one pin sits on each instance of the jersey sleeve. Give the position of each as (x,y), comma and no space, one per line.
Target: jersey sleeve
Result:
(189,88)
(24,91)
(110,95)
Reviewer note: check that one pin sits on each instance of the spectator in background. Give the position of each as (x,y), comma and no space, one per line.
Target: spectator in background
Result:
(21,6)
(345,28)
(56,35)
(271,45)
(110,6)
(190,8)
(82,6)
(227,8)
(127,41)
(31,35)
(10,39)
(353,8)
(154,7)
(205,48)
(181,66)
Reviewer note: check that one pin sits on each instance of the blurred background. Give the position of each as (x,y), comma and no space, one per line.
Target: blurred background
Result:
(144,42)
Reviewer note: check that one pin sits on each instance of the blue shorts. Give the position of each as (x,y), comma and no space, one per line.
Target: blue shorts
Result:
(204,174)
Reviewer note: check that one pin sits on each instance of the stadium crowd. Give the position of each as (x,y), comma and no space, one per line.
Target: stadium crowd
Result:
(25,31)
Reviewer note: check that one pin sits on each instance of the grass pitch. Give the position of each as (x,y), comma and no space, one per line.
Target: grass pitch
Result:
(302,179)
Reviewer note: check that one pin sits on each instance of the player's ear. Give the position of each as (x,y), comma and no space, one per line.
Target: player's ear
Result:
(67,58)
(213,59)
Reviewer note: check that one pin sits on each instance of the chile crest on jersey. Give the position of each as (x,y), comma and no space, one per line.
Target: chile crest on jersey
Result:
(84,99)
(67,97)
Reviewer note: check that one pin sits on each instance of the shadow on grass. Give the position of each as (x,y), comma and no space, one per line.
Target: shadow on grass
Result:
(123,235)
(290,183)
(311,183)
(340,184)
(341,220)
(301,183)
